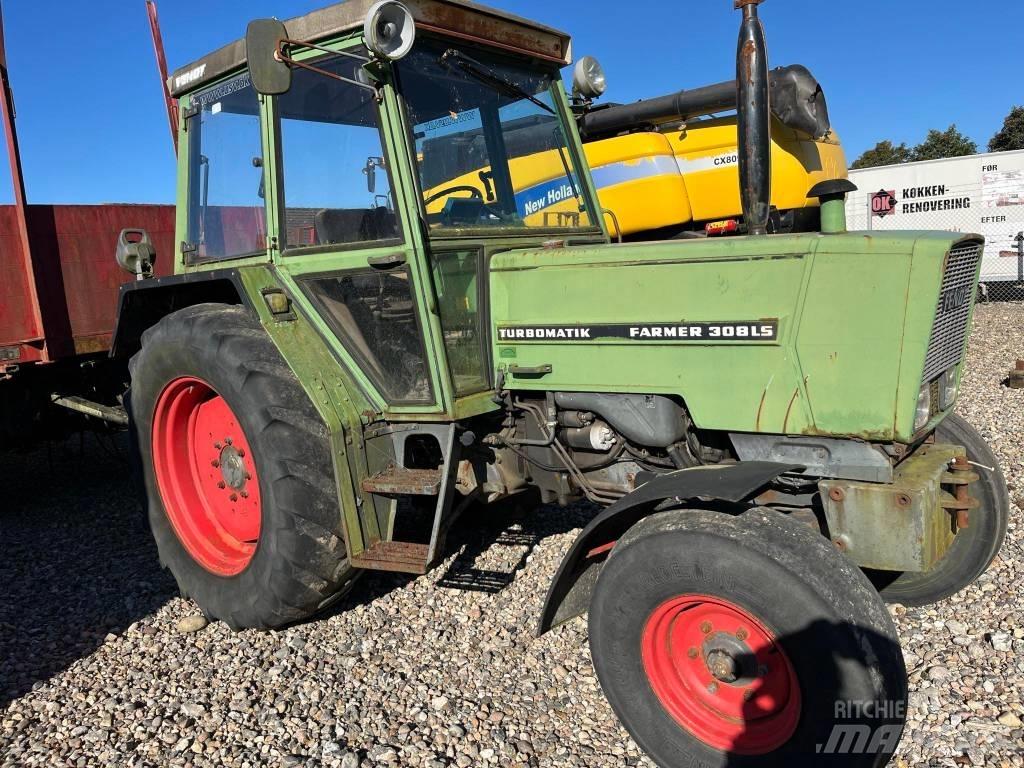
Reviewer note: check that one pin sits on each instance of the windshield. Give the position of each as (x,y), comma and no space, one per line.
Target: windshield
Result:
(490,146)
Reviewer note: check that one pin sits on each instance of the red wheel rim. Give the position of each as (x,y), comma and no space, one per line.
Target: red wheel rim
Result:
(721,674)
(206,476)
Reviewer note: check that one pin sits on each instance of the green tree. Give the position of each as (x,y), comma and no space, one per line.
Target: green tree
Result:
(883,153)
(1011,135)
(947,143)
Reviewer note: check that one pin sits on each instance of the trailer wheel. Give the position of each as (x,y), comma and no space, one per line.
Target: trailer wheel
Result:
(237,470)
(975,547)
(745,641)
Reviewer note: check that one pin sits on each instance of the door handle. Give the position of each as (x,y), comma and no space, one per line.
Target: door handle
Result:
(536,370)
(391,261)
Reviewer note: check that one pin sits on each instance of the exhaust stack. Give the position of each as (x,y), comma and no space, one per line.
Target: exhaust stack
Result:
(754,116)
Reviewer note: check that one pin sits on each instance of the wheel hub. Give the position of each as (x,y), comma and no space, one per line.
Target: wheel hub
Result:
(729,659)
(206,476)
(232,468)
(720,673)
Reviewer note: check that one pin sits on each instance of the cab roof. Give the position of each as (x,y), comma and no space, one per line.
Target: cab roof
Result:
(458,18)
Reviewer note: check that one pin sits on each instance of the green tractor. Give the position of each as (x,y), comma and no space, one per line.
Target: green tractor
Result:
(352,353)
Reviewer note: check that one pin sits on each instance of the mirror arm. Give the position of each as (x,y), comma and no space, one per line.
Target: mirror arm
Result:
(281,56)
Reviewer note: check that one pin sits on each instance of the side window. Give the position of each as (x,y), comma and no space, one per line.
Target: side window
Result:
(337,185)
(226,216)
(374,315)
(457,279)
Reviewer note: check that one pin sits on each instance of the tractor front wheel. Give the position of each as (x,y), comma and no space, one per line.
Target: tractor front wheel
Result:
(745,641)
(237,470)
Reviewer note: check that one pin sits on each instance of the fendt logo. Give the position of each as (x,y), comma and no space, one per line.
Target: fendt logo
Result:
(190,77)
(955,298)
(883,202)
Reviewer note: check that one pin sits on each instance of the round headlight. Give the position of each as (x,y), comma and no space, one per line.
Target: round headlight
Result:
(588,78)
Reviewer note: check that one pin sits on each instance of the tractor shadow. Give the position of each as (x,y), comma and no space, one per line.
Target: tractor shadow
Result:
(513,528)
(845,717)
(77,560)
(503,537)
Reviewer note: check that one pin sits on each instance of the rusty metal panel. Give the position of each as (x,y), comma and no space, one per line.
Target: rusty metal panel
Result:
(77,277)
(17,308)
(905,525)
(402,481)
(457,18)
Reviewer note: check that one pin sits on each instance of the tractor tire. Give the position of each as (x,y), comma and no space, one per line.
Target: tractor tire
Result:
(976,546)
(745,641)
(237,469)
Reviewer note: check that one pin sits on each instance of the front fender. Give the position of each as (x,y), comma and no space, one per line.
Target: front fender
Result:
(570,590)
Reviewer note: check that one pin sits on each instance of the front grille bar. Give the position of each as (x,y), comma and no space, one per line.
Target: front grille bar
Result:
(949,331)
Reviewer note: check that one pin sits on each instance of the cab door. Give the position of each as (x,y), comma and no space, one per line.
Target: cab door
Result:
(343,240)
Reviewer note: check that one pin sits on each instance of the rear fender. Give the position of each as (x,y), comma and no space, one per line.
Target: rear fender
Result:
(570,590)
(142,304)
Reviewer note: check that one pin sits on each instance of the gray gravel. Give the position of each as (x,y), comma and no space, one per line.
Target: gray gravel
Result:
(101,664)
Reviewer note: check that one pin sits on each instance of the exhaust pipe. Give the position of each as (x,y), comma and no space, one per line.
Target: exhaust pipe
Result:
(754,120)
(797,101)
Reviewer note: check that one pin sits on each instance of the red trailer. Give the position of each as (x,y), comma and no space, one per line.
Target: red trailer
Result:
(58,294)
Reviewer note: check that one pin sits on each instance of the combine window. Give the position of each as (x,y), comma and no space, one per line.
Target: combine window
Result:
(226,216)
(337,185)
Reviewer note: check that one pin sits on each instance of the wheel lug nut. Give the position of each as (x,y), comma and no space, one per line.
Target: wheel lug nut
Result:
(214,463)
(218,446)
(234,497)
(222,484)
(245,494)
(705,627)
(748,694)
(742,634)
(228,440)
(248,476)
(693,653)
(241,453)
(713,688)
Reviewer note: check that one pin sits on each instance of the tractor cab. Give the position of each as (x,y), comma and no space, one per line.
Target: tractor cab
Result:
(379,168)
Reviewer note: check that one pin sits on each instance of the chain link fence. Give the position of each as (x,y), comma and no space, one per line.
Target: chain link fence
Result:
(991,209)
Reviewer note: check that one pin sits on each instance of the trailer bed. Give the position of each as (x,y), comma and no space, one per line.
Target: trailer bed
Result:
(71,312)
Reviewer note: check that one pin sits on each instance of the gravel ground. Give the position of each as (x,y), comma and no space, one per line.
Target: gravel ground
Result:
(440,670)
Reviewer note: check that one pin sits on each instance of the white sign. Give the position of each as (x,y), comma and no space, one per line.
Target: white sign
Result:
(981,194)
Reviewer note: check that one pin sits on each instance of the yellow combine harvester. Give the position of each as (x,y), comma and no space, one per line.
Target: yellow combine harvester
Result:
(664,167)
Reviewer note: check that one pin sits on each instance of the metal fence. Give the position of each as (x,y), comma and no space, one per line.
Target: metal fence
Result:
(967,208)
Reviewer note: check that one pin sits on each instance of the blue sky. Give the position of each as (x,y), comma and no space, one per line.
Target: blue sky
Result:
(93,128)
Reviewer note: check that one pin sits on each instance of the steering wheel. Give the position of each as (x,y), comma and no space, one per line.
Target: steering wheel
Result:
(475,193)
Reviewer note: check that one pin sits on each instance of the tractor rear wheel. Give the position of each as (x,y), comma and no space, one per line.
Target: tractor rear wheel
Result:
(974,547)
(237,470)
(745,641)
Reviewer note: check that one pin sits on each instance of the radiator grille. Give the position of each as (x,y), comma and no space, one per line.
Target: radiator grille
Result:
(949,332)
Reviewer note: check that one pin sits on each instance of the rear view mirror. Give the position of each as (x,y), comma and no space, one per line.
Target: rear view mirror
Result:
(269,74)
(135,253)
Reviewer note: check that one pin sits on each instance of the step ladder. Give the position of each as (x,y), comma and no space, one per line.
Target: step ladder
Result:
(396,482)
